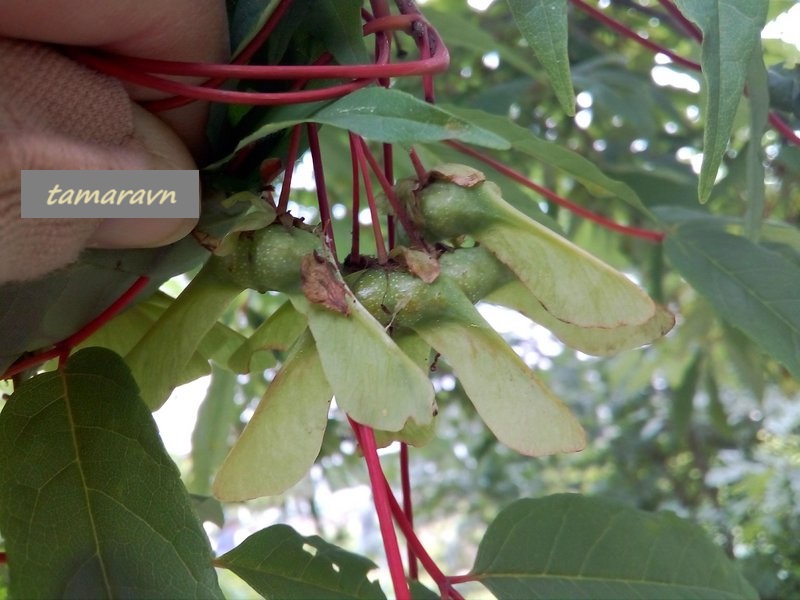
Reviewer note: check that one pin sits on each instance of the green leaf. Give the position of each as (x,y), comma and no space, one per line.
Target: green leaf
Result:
(280,563)
(523,140)
(597,341)
(463,33)
(413,434)
(247,19)
(391,116)
(208,510)
(754,289)
(284,434)
(682,406)
(159,358)
(338,24)
(543,24)
(716,409)
(571,546)
(216,419)
(90,503)
(571,284)
(374,381)
(784,85)
(278,332)
(746,360)
(420,592)
(759,112)
(123,332)
(38,313)
(35,314)
(731,33)
(518,409)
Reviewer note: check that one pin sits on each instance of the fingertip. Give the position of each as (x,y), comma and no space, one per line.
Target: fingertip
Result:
(139,233)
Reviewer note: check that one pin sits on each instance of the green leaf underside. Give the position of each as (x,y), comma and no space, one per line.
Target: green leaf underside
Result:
(570,546)
(280,563)
(543,24)
(391,116)
(284,435)
(162,354)
(83,458)
(278,332)
(374,381)
(216,418)
(123,332)
(731,33)
(758,94)
(596,341)
(571,284)
(523,140)
(754,289)
(413,434)
(516,407)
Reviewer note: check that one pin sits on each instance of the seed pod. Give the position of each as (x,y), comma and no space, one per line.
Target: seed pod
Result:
(571,284)
(269,258)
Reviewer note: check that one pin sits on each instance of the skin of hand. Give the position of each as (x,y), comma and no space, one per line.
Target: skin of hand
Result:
(182,30)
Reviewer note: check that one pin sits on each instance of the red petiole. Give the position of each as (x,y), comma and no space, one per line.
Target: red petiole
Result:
(382,499)
(380,245)
(64,347)
(647,234)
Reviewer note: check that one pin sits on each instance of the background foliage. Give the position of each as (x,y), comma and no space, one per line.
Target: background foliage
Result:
(703,423)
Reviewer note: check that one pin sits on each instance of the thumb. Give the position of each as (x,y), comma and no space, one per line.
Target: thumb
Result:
(160,149)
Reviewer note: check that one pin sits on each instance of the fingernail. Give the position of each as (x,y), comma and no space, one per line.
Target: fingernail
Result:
(139,233)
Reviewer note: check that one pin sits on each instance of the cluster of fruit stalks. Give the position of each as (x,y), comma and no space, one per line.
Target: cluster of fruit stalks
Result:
(433,58)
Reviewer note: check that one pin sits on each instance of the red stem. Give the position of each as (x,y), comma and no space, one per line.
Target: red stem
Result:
(381,497)
(66,345)
(427,78)
(692,29)
(322,190)
(419,168)
(199,92)
(261,37)
(408,507)
(380,8)
(388,172)
(466,578)
(291,159)
(647,234)
(137,70)
(289,72)
(380,245)
(355,248)
(785,130)
(629,33)
(441,580)
(3,558)
(397,207)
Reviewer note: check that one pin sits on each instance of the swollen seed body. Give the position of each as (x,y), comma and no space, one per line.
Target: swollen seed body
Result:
(456,201)
(269,259)
(397,297)
(449,211)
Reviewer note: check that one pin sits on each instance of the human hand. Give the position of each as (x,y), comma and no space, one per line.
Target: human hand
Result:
(57,114)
